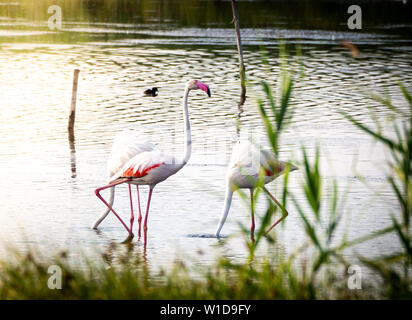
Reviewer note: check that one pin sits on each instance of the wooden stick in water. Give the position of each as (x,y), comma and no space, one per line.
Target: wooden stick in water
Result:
(240,52)
(72,114)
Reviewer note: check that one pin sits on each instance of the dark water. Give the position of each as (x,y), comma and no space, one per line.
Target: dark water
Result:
(125,47)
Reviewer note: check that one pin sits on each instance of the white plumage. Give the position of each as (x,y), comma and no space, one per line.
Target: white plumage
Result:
(127,144)
(135,160)
(249,164)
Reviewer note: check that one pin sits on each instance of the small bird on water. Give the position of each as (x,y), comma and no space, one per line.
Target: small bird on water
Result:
(151,92)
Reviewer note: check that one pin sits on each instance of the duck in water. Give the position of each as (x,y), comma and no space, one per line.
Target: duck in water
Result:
(151,92)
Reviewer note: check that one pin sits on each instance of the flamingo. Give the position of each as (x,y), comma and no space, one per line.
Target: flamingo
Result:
(136,161)
(246,166)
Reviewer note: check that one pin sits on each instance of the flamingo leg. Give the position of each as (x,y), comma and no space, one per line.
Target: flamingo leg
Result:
(284,211)
(146,215)
(131,209)
(97,192)
(139,219)
(252,227)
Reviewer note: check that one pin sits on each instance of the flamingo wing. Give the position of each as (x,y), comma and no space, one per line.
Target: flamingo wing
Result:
(126,146)
(270,164)
(143,164)
(245,155)
(246,164)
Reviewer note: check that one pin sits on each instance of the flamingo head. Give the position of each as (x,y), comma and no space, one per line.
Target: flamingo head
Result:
(281,166)
(196,84)
(291,166)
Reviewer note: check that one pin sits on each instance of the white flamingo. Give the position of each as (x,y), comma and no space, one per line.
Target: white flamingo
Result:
(134,160)
(246,166)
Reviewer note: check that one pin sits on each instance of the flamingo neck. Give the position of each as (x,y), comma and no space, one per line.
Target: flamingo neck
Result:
(225,211)
(188,138)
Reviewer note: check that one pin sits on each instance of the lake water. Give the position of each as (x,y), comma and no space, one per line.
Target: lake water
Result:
(47,185)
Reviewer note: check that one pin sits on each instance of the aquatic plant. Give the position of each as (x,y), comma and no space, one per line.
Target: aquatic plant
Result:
(395,269)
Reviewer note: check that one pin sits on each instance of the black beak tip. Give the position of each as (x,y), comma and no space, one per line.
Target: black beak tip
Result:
(208,92)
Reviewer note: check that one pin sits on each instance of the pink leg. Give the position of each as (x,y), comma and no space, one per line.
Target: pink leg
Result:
(139,219)
(131,209)
(252,227)
(284,211)
(147,214)
(97,192)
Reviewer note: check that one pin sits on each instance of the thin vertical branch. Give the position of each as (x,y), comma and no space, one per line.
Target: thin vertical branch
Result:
(241,64)
(70,126)
(73,157)
(72,113)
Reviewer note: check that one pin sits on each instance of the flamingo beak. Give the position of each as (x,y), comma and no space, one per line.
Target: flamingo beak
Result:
(203,86)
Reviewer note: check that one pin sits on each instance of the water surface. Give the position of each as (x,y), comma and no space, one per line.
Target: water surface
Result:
(47,198)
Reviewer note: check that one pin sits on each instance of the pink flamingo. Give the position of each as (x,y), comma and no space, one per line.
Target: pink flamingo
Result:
(134,160)
(246,167)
